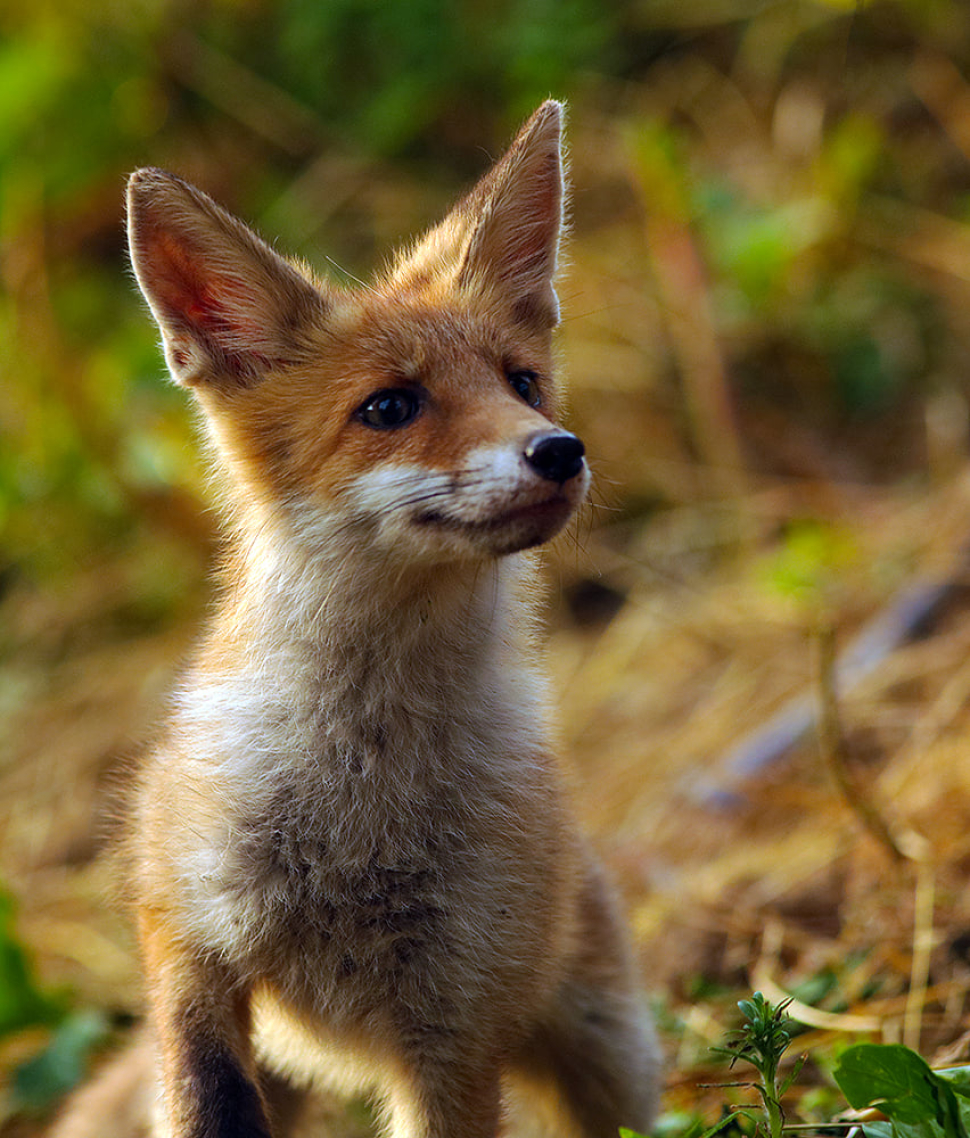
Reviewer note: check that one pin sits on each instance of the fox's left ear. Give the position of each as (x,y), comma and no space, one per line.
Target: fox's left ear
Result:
(515,242)
(502,241)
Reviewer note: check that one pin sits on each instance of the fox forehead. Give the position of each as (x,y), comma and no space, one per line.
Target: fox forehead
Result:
(395,338)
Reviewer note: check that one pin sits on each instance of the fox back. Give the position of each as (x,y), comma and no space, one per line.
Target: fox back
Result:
(350,856)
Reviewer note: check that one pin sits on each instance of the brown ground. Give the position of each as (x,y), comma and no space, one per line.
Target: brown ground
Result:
(677,631)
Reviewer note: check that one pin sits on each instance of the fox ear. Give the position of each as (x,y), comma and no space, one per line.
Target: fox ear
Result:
(514,241)
(502,241)
(228,307)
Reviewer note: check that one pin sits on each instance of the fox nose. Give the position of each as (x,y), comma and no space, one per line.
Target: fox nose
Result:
(556,457)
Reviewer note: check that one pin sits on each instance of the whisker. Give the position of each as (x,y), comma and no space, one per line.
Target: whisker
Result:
(433,493)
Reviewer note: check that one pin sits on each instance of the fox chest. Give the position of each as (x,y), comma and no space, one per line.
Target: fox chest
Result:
(341,872)
(345,920)
(343,913)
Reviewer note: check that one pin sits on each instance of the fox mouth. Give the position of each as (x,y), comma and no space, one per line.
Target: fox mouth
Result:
(547,516)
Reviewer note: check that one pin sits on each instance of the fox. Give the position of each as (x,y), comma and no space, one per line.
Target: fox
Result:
(350,853)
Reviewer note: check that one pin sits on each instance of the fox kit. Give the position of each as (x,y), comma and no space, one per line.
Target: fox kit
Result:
(350,854)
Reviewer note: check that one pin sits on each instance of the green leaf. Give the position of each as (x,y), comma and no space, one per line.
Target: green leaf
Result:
(725,1122)
(62,1064)
(792,1075)
(811,562)
(22,1003)
(882,1129)
(902,1085)
(958,1078)
(878,1129)
(710,1132)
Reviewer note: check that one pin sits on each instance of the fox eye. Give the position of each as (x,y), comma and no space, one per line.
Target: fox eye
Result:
(526,385)
(389,408)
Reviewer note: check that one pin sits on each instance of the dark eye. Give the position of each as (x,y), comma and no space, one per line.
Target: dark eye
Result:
(392,407)
(525,384)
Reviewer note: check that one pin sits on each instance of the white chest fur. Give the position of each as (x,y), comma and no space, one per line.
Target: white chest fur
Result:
(372,793)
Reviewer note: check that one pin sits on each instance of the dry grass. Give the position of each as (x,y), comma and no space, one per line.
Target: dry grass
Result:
(674,639)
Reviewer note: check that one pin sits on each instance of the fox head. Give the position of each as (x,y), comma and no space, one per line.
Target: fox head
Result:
(416,414)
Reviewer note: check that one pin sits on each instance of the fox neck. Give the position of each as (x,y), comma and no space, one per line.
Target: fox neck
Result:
(355,693)
(335,616)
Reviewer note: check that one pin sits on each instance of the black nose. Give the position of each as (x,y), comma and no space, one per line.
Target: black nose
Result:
(556,457)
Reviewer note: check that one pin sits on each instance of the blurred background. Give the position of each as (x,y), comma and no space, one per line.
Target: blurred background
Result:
(760,629)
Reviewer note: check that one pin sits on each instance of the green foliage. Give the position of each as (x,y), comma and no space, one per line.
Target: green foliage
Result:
(62,1064)
(919,1102)
(808,566)
(762,1040)
(657,154)
(763,1036)
(381,73)
(24,1005)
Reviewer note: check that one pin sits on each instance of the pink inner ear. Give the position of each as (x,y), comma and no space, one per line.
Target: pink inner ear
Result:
(181,289)
(212,307)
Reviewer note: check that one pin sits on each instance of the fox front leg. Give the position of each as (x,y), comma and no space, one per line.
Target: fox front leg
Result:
(460,1100)
(201,1020)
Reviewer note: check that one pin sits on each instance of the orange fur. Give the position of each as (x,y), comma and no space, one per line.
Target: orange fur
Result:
(351,857)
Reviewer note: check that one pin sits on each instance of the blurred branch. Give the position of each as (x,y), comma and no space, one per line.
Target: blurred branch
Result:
(833,747)
(759,749)
(239,92)
(685,302)
(945,93)
(924,905)
(920,236)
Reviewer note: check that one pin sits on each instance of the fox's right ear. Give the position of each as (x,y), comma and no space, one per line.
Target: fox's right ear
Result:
(229,308)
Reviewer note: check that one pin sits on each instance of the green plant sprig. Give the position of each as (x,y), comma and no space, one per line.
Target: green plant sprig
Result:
(761,1040)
